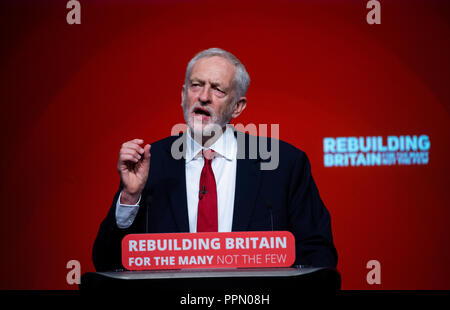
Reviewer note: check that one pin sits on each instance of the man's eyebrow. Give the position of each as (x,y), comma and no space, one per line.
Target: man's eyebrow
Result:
(196,80)
(213,84)
(220,85)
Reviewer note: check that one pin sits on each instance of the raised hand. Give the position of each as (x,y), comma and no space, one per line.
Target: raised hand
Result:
(133,167)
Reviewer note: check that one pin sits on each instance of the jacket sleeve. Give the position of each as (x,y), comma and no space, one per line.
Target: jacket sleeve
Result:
(106,253)
(309,219)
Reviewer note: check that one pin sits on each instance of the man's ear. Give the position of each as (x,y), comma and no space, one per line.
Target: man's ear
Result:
(239,107)
(182,93)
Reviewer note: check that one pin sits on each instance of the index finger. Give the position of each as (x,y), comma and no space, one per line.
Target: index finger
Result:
(138,141)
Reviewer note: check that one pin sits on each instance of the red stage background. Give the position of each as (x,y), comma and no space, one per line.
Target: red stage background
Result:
(72,94)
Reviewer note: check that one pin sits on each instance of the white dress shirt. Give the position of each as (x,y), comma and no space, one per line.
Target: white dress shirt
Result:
(224,167)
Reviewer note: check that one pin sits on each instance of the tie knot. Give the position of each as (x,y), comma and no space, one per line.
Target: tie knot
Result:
(208,154)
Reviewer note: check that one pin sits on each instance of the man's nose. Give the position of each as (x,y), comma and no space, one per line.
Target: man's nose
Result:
(205,95)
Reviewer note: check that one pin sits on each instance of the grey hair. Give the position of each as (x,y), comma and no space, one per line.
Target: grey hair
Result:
(241,77)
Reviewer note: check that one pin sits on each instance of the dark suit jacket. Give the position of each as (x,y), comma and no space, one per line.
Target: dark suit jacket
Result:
(285,198)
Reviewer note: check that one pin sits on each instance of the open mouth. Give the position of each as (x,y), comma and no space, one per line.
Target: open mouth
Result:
(201,112)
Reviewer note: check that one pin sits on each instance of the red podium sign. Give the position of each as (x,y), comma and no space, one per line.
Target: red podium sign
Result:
(208,250)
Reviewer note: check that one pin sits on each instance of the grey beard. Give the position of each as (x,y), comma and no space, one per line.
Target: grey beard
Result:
(221,121)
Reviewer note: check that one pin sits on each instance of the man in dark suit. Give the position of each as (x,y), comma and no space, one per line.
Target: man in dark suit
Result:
(211,179)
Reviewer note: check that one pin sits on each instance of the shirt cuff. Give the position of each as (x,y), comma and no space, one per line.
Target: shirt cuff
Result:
(125,214)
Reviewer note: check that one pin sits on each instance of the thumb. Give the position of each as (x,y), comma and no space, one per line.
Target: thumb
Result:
(147,152)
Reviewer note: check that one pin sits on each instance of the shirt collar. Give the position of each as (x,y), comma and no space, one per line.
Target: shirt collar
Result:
(225,146)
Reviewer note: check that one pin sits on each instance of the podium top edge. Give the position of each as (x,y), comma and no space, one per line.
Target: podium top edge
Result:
(209,273)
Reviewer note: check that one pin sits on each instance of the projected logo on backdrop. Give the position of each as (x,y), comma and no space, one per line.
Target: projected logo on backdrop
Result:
(376,151)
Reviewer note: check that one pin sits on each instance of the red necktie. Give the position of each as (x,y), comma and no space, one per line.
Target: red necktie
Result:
(207,199)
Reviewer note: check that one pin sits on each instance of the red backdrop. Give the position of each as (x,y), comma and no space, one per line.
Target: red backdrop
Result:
(72,94)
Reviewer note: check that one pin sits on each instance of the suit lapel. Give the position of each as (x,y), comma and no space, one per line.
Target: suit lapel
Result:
(178,196)
(248,177)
